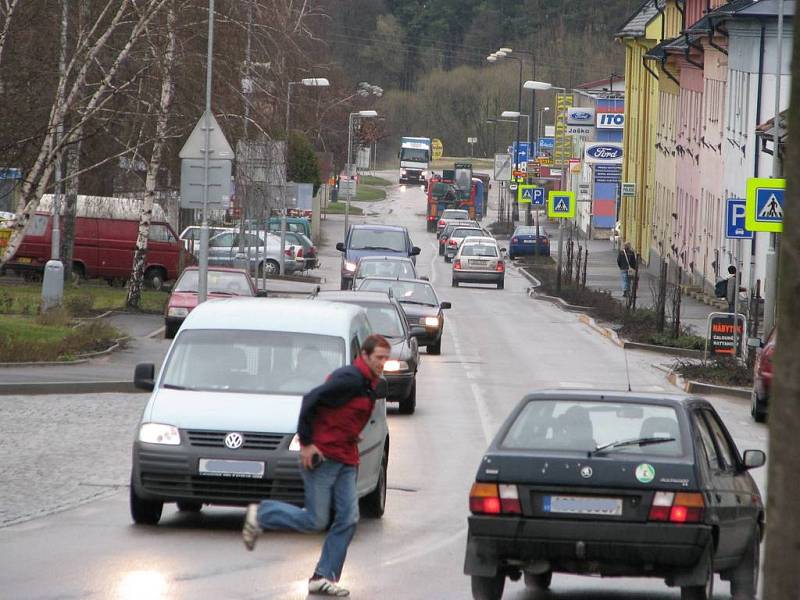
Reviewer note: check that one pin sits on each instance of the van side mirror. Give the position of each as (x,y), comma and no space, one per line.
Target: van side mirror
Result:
(415,250)
(340,246)
(144,376)
(754,458)
(445,305)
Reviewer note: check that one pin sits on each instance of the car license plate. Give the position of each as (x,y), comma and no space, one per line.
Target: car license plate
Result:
(527,241)
(24,260)
(231,468)
(582,505)
(479,263)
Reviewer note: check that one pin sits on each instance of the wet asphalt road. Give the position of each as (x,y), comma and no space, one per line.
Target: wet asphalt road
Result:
(498,345)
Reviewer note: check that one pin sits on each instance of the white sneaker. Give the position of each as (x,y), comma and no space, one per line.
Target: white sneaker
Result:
(324,587)
(251,530)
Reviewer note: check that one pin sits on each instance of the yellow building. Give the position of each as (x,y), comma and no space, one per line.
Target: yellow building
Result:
(652,23)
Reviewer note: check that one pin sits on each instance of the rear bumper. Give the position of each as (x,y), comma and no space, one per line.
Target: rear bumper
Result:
(478,276)
(606,548)
(399,385)
(528,250)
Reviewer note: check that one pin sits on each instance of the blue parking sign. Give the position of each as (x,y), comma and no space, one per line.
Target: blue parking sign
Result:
(735,214)
(538,197)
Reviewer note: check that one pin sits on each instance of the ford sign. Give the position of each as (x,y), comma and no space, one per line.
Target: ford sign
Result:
(580,116)
(605,153)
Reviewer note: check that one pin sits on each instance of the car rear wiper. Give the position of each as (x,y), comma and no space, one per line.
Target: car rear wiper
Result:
(645,441)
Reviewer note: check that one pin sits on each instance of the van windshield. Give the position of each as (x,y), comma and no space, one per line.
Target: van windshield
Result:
(251,362)
(378,239)
(414,154)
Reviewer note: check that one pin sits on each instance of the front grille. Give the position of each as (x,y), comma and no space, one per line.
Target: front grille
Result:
(224,490)
(252,441)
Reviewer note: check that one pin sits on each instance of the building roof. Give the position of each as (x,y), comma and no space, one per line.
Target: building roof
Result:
(636,25)
(753,8)
(767,130)
(659,52)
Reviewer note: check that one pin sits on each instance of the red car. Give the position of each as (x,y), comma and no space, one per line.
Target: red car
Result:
(222,283)
(762,379)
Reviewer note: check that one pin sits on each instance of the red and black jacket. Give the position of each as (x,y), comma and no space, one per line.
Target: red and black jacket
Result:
(334,414)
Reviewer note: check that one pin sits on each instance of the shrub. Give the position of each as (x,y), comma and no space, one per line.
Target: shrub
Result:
(79,305)
(6,302)
(58,316)
(723,371)
(90,337)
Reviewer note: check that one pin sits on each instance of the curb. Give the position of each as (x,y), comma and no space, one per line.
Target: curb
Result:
(532,293)
(604,331)
(68,387)
(707,389)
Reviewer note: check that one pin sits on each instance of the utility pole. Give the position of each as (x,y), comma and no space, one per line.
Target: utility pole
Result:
(202,267)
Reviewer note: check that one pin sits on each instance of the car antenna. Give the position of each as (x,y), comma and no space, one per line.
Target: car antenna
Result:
(627,369)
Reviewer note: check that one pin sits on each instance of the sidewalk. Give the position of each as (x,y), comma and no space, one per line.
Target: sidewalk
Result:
(602,273)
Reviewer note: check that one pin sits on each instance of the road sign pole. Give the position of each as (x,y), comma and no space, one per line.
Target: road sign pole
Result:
(560,252)
(202,275)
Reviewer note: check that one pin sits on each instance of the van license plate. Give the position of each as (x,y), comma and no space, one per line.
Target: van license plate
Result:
(527,241)
(24,260)
(216,467)
(582,505)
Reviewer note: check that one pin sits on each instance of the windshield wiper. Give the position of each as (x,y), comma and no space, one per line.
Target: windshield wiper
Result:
(403,301)
(378,248)
(171,386)
(645,441)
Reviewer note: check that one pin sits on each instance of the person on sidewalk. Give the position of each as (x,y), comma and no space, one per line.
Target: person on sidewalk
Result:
(626,261)
(731,288)
(332,417)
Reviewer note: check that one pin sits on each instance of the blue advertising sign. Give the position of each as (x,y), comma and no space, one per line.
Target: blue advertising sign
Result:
(547,143)
(735,215)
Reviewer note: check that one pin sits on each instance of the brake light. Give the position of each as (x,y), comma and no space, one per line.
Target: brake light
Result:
(457,265)
(299,253)
(288,252)
(491,499)
(431,218)
(501,266)
(452,242)
(441,223)
(681,507)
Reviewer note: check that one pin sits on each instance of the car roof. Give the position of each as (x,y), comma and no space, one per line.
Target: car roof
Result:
(357,296)
(479,239)
(377,226)
(665,398)
(223,269)
(379,257)
(274,314)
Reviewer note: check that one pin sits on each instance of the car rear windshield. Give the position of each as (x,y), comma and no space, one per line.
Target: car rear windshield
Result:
(405,291)
(479,250)
(251,362)
(219,282)
(384,319)
(584,425)
(378,239)
(525,231)
(455,214)
(462,233)
(386,268)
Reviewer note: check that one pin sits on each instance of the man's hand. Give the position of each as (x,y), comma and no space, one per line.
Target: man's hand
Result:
(307,454)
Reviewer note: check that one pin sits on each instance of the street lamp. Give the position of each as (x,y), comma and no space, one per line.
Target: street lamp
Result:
(350,173)
(541,120)
(307,82)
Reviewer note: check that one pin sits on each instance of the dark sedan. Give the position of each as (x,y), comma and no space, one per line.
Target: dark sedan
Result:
(388,319)
(420,304)
(615,484)
(524,243)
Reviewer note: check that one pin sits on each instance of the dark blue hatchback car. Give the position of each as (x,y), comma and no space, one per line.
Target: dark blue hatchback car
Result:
(372,240)
(523,242)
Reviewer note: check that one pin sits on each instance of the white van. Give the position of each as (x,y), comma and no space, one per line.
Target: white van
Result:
(221,424)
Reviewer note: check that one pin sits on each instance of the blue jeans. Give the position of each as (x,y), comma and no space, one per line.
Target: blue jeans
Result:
(331,484)
(624,281)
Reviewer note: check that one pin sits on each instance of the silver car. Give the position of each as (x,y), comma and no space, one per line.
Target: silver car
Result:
(479,260)
(223,248)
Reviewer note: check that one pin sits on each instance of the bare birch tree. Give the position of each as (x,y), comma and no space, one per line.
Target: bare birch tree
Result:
(162,121)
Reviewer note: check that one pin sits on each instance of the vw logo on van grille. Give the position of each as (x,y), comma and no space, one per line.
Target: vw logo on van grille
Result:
(586,472)
(234,440)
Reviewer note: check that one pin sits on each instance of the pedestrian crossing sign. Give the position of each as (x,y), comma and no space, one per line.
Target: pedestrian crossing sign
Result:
(561,205)
(765,204)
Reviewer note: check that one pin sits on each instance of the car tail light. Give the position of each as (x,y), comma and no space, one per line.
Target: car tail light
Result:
(681,507)
(766,359)
(441,223)
(501,266)
(457,265)
(514,240)
(299,253)
(431,218)
(452,243)
(288,252)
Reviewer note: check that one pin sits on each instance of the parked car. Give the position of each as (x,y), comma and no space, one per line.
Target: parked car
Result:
(296,224)
(455,237)
(384,266)
(223,248)
(388,319)
(479,260)
(420,304)
(220,426)
(448,229)
(310,257)
(106,230)
(524,242)
(451,214)
(222,283)
(373,240)
(615,484)
(762,378)
(190,236)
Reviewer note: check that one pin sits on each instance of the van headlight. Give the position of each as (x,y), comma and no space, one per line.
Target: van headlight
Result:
(395,366)
(177,311)
(157,433)
(294,445)
(431,321)
(349,266)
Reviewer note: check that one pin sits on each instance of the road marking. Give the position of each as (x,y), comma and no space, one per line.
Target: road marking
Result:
(158,331)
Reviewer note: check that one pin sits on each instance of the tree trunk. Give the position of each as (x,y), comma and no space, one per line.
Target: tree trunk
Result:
(165,105)
(782,577)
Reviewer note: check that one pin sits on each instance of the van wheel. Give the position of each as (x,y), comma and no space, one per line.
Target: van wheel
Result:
(434,348)
(538,581)
(373,504)
(144,512)
(409,404)
(171,330)
(488,588)
(154,278)
(78,272)
(757,409)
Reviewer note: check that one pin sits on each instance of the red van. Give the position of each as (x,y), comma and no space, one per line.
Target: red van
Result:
(105,240)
